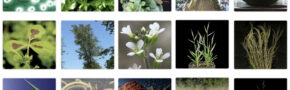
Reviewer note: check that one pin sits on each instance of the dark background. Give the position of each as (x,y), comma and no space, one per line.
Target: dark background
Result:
(241,30)
(156,83)
(251,84)
(183,34)
(166,5)
(21,84)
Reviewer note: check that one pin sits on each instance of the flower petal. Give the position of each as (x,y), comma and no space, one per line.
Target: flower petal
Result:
(140,44)
(156,25)
(159,60)
(129,29)
(152,55)
(131,54)
(131,45)
(140,51)
(161,30)
(139,67)
(166,55)
(158,52)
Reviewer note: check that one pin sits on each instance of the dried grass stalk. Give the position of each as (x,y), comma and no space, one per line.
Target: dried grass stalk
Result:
(261,44)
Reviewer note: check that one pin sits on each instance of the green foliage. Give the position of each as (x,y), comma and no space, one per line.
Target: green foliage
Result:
(260,46)
(195,55)
(84,37)
(205,82)
(142,5)
(88,5)
(28,44)
(203,48)
(109,26)
(208,46)
(110,62)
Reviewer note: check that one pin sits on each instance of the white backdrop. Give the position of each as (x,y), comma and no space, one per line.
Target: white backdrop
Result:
(58,16)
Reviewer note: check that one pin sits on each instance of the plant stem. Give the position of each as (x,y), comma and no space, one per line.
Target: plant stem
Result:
(146,60)
(27,53)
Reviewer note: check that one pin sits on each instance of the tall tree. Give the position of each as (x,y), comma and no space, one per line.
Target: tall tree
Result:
(84,37)
(109,26)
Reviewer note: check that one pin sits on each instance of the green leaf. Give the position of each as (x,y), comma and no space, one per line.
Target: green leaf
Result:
(143,3)
(45,51)
(14,46)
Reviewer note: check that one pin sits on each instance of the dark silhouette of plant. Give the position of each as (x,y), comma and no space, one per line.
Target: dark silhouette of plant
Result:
(262,87)
(89,49)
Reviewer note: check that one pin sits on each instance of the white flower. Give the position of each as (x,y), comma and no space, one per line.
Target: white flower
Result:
(159,56)
(135,66)
(127,30)
(31,9)
(151,34)
(34,1)
(50,3)
(137,49)
(7,1)
(43,7)
(155,26)
(19,9)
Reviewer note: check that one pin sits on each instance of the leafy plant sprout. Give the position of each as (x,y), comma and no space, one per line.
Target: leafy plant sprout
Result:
(29,46)
(141,42)
(203,47)
(142,5)
(261,44)
(87,5)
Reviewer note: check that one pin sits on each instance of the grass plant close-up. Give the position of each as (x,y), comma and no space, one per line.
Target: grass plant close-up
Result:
(201,44)
(87,84)
(88,44)
(202,84)
(29,44)
(87,5)
(29,84)
(202,5)
(144,45)
(263,45)
(29,5)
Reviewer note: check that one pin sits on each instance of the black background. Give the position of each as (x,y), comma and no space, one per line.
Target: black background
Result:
(183,34)
(166,5)
(251,84)
(241,30)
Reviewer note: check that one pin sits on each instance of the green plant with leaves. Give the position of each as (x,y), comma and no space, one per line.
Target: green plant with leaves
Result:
(142,5)
(208,46)
(202,83)
(261,44)
(87,5)
(142,42)
(28,45)
(195,55)
(84,37)
(203,48)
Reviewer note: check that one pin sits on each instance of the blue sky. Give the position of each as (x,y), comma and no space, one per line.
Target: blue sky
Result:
(70,57)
